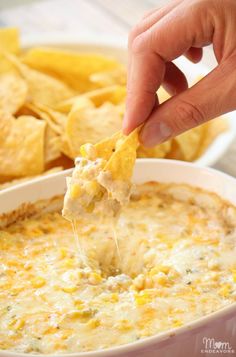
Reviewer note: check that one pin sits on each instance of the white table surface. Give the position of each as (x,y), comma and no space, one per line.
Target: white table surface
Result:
(87,18)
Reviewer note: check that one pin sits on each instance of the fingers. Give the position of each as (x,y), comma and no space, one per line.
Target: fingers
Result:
(148,20)
(141,93)
(193,106)
(174,80)
(173,35)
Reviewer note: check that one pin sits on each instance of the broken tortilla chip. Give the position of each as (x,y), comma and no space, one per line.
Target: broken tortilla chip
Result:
(112,94)
(72,67)
(21,146)
(86,123)
(13,92)
(157,151)
(43,89)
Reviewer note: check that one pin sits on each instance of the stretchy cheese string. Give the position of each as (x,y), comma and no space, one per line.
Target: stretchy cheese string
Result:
(80,249)
(114,223)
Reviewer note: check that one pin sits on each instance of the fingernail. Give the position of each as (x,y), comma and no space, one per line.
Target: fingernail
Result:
(155,133)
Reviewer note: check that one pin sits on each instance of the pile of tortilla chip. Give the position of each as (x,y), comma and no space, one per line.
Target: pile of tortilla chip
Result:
(52,101)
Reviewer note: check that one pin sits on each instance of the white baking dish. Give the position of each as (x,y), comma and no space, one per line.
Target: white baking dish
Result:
(117,48)
(191,339)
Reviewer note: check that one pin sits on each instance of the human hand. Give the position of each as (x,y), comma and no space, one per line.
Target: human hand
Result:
(182,27)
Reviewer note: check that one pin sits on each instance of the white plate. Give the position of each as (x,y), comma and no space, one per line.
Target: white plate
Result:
(117,48)
(187,340)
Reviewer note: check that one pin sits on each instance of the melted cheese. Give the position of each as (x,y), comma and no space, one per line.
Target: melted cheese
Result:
(178,263)
(93,193)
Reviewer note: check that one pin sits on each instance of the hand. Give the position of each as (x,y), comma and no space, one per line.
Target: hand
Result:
(182,27)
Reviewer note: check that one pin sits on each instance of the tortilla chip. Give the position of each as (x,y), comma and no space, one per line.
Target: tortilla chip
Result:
(65,147)
(72,67)
(13,92)
(43,89)
(121,163)
(157,151)
(113,94)
(53,132)
(108,78)
(91,124)
(189,142)
(21,146)
(56,120)
(106,147)
(175,152)
(213,129)
(52,145)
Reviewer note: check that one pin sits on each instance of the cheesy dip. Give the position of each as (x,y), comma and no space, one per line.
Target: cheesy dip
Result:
(177,263)
(101,180)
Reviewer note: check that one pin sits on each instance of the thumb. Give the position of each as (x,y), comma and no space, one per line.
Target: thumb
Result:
(214,95)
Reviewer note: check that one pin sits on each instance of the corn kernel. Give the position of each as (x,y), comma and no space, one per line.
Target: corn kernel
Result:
(59,346)
(114,297)
(79,304)
(62,253)
(153,271)
(144,297)
(95,278)
(17,324)
(83,151)
(89,151)
(66,334)
(225,290)
(83,314)
(161,279)
(91,187)
(68,263)
(124,325)
(16,289)
(93,323)
(28,266)
(139,282)
(14,263)
(132,287)
(74,314)
(177,323)
(50,330)
(75,191)
(69,289)
(38,282)
(141,300)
